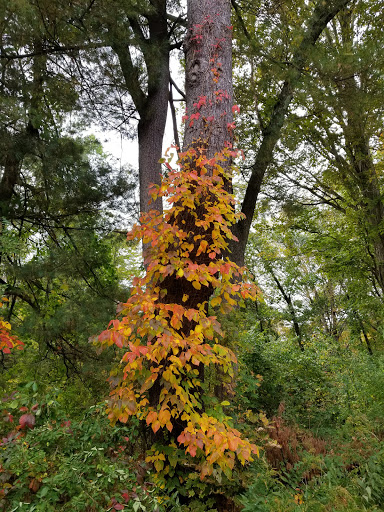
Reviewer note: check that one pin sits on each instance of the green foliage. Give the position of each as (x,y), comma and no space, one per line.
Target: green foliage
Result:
(335,485)
(79,464)
(323,446)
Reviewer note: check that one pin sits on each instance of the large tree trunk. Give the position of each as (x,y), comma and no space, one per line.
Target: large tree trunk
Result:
(209,93)
(209,90)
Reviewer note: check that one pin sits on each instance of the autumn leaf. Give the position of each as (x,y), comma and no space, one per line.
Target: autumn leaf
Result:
(216,301)
(27,421)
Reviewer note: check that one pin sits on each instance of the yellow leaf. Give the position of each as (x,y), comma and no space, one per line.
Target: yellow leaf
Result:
(180,272)
(196,285)
(159,464)
(185,297)
(215,301)
(164,416)
(299,499)
(202,247)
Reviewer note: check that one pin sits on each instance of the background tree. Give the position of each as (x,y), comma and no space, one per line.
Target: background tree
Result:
(56,254)
(297,57)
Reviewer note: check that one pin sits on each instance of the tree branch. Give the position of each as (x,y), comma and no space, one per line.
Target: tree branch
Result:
(50,50)
(322,14)
(130,74)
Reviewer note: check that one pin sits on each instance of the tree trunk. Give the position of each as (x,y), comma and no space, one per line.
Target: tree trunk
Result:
(209,96)
(359,156)
(153,114)
(209,90)
(152,103)
(18,145)
(291,309)
(150,135)
(11,171)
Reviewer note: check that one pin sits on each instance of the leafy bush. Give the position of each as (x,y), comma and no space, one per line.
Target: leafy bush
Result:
(77,465)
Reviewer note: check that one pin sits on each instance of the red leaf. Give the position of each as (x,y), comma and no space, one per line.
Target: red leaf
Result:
(27,421)
(126,495)
(35,485)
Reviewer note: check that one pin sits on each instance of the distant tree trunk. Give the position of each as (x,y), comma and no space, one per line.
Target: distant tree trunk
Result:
(152,103)
(11,170)
(153,114)
(291,309)
(352,98)
(18,145)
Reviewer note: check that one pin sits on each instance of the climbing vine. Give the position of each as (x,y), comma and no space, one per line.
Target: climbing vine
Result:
(168,342)
(169,326)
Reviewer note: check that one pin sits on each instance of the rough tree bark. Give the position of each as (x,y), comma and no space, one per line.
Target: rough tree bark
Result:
(209,90)
(209,96)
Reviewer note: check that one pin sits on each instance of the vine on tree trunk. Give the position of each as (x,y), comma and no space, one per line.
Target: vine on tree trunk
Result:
(168,333)
(165,326)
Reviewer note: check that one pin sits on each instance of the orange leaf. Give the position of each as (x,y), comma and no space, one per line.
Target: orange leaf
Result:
(151,417)
(202,247)
(233,443)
